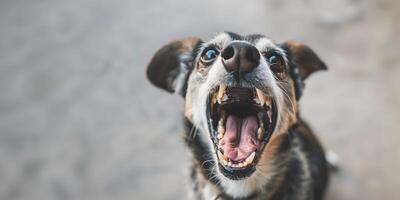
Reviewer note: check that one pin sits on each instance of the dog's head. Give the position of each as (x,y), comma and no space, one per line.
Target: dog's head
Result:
(240,92)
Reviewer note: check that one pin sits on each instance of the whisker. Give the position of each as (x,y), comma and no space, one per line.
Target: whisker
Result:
(292,104)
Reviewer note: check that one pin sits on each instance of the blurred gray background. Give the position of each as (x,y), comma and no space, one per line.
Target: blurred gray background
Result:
(79,120)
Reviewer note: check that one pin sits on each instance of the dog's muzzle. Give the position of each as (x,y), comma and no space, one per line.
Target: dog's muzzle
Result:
(241,121)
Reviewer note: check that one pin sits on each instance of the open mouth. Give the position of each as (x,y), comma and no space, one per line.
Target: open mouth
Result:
(241,121)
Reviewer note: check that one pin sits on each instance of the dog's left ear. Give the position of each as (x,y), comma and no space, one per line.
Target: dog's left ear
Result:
(303,57)
(170,67)
(303,62)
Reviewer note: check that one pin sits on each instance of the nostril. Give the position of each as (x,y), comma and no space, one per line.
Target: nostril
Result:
(252,55)
(240,58)
(228,53)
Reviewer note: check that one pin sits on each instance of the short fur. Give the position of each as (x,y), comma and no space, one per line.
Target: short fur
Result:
(292,165)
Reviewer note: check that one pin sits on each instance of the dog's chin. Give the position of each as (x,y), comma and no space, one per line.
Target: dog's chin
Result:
(241,122)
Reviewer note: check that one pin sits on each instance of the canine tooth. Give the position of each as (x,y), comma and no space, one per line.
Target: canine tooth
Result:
(261,97)
(220,155)
(224,158)
(268,101)
(224,162)
(221,92)
(260,132)
(250,159)
(230,164)
(240,165)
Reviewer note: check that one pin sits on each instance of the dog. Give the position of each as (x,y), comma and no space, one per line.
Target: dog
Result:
(241,116)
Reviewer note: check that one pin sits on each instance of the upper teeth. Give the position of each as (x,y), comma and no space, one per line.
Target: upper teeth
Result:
(262,99)
(221,93)
(251,157)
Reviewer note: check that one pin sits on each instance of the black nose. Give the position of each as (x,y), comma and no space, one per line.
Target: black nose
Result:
(240,57)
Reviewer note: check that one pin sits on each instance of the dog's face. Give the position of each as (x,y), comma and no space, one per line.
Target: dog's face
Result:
(240,93)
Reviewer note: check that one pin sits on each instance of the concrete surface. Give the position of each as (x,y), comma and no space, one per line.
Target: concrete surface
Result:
(78,120)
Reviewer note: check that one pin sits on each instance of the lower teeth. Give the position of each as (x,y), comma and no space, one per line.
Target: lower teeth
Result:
(244,163)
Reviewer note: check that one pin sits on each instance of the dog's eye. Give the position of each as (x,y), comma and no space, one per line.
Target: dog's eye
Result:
(275,61)
(209,55)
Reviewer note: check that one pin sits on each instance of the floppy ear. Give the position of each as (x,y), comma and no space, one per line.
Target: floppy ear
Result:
(303,61)
(303,57)
(170,67)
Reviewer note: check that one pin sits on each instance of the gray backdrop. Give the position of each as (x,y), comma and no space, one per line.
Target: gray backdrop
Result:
(79,120)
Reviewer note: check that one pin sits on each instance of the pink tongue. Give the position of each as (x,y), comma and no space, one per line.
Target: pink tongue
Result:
(239,144)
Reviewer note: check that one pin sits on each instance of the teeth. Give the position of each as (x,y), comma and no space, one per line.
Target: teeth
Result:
(224,160)
(261,129)
(221,128)
(261,97)
(221,131)
(268,102)
(221,93)
(250,159)
(260,132)
(220,155)
(220,136)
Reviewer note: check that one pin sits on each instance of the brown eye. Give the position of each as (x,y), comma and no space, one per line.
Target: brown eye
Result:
(275,62)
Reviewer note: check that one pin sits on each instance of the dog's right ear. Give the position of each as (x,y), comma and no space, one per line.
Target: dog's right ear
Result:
(170,67)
